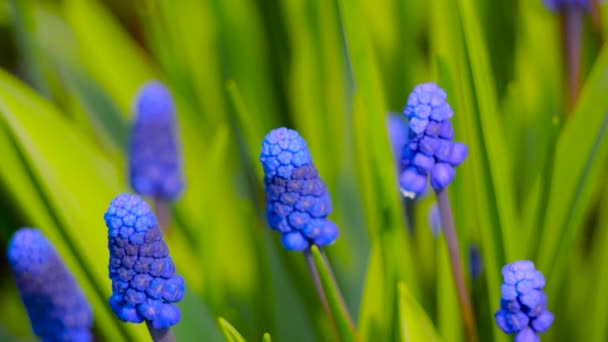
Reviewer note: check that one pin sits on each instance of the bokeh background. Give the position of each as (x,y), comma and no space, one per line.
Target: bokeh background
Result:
(534,184)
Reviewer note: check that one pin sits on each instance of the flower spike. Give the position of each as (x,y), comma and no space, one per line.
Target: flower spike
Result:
(56,305)
(144,284)
(297,199)
(155,160)
(523,304)
(430,149)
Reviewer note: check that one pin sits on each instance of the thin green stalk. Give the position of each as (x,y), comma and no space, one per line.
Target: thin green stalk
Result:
(314,274)
(447,224)
(335,301)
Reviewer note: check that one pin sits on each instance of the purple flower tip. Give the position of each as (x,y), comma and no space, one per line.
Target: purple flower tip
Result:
(283,150)
(297,201)
(556,5)
(430,150)
(522,296)
(55,304)
(155,160)
(144,283)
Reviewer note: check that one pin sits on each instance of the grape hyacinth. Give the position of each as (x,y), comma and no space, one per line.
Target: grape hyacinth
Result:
(144,284)
(430,149)
(523,305)
(55,304)
(155,161)
(297,201)
(397,135)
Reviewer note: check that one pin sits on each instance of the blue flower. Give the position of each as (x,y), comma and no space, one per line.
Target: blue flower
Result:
(55,304)
(556,5)
(144,283)
(434,219)
(430,149)
(475,261)
(397,128)
(297,201)
(523,305)
(155,161)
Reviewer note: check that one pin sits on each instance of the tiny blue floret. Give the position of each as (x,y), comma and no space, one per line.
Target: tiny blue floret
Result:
(55,304)
(297,201)
(144,283)
(155,160)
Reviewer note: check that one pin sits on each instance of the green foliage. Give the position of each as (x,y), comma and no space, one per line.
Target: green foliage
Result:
(532,186)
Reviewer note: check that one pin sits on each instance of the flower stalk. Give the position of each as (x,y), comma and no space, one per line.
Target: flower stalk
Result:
(447,225)
(160,335)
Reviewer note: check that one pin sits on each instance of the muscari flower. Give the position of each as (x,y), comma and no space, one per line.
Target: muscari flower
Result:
(155,161)
(523,306)
(556,5)
(55,304)
(430,149)
(397,135)
(297,201)
(144,283)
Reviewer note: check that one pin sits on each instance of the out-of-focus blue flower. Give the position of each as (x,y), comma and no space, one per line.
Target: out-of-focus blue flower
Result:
(430,149)
(475,261)
(435,220)
(523,305)
(397,128)
(155,160)
(556,5)
(55,304)
(144,283)
(297,201)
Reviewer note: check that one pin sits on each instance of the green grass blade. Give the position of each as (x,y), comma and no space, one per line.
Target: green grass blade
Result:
(76,186)
(231,334)
(580,158)
(598,284)
(266,338)
(475,203)
(415,325)
(200,325)
(107,52)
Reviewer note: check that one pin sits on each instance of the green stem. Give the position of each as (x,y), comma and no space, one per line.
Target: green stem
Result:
(447,224)
(335,301)
(314,274)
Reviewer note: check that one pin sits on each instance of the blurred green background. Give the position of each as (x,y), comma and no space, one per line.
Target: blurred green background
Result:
(533,186)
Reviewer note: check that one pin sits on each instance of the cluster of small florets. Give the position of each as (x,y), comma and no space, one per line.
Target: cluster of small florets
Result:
(430,149)
(155,164)
(556,5)
(297,199)
(144,283)
(56,306)
(523,306)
